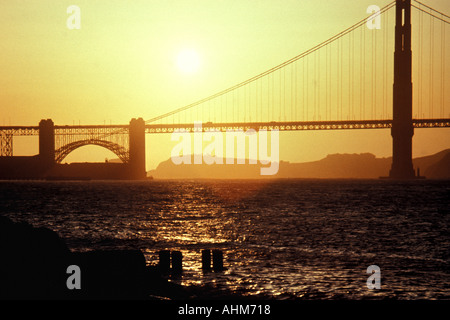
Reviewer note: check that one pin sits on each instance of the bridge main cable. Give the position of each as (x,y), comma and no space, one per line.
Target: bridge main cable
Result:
(263,74)
(430,8)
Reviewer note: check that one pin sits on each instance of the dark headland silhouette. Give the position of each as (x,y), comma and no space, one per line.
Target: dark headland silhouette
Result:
(334,166)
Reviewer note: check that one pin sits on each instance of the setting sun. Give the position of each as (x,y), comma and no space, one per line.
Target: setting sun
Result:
(188,61)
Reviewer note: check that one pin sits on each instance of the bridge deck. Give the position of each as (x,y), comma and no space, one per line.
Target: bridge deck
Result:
(296,125)
(209,126)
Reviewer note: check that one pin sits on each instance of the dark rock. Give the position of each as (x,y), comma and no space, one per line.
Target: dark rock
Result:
(34,264)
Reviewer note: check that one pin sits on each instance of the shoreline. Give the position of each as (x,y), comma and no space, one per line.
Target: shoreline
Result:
(35,265)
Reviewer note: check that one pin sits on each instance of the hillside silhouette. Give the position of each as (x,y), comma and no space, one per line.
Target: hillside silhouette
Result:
(334,166)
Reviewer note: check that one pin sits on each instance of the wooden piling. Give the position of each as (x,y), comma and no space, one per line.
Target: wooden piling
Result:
(164,261)
(217,260)
(177,262)
(206,260)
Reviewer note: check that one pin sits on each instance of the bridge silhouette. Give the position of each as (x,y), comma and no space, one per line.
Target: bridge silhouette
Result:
(342,83)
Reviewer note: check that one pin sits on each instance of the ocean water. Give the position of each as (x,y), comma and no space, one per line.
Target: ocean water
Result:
(282,239)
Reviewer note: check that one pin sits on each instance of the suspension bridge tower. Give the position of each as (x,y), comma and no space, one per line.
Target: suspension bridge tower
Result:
(137,149)
(402,127)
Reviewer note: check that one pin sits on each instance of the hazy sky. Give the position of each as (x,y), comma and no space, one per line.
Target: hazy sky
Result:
(122,64)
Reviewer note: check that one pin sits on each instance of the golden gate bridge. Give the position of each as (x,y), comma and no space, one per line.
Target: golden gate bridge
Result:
(344,82)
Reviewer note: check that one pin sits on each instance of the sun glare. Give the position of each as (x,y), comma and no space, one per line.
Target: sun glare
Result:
(188,61)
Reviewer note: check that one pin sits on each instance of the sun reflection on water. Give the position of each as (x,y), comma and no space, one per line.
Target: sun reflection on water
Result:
(308,239)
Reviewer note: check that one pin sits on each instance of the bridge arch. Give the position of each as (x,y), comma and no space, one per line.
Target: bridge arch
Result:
(117,149)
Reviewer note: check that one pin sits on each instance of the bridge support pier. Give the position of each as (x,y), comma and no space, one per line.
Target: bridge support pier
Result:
(47,144)
(137,149)
(402,126)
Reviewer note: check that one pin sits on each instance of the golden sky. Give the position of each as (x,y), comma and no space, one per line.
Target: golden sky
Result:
(122,64)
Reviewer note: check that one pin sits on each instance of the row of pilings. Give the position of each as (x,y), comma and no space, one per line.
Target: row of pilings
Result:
(171,262)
